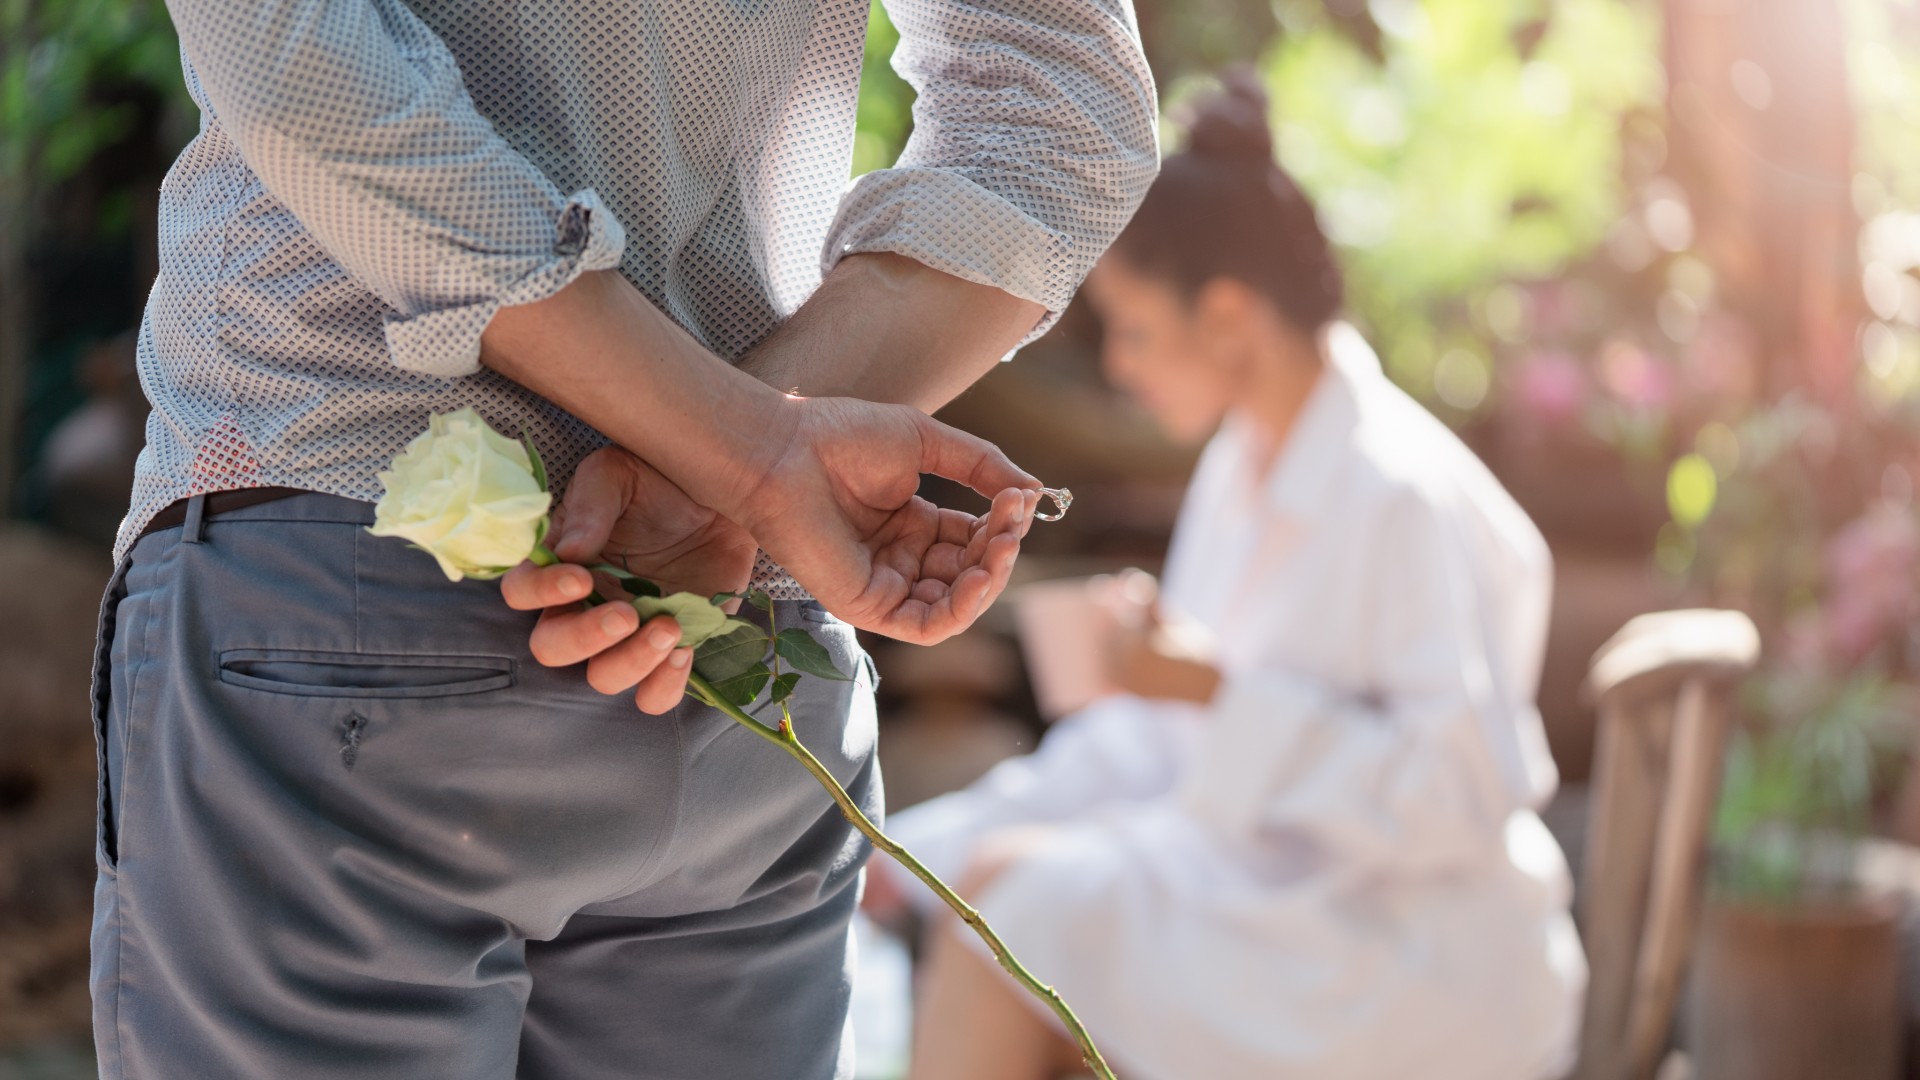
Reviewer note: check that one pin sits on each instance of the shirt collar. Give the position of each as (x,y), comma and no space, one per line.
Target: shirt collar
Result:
(1308,465)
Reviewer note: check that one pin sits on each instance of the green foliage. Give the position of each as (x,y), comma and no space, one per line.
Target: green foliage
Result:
(886,101)
(730,654)
(1483,148)
(1883,69)
(700,620)
(735,661)
(798,648)
(1797,791)
(1197,37)
(54,57)
(783,687)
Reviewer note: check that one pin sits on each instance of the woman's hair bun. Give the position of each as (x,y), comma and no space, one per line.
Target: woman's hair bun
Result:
(1232,124)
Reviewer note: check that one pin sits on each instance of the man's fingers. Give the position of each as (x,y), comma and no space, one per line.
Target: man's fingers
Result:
(995,570)
(529,588)
(968,459)
(660,691)
(596,497)
(631,660)
(1011,513)
(563,639)
(934,611)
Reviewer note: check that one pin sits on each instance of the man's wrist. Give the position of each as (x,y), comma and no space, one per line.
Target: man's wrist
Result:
(601,350)
(883,327)
(757,432)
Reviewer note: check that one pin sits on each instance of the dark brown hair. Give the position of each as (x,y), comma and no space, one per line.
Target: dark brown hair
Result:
(1223,208)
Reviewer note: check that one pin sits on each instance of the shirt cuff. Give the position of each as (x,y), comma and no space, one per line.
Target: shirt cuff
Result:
(445,341)
(942,219)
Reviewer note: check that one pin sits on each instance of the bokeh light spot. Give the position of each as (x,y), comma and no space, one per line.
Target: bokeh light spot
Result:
(1692,488)
(1461,379)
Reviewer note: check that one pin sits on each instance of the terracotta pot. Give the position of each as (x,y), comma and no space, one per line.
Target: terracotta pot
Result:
(1797,994)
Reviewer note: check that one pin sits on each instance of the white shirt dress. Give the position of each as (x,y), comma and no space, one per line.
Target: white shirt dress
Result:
(1334,870)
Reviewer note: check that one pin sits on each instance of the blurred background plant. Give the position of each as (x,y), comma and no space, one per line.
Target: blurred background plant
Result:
(92,108)
(1798,789)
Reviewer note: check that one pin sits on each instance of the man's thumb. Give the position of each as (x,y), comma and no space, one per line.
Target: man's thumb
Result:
(968,459)
(585,518)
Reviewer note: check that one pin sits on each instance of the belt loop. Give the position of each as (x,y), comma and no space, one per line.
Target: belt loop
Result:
(196,513)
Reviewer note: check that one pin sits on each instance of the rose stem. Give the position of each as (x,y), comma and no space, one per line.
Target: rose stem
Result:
(785,738)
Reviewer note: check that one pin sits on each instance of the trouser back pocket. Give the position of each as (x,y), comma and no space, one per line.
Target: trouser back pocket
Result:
(309,673)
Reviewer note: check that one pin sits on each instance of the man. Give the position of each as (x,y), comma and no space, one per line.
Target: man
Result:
(349,826)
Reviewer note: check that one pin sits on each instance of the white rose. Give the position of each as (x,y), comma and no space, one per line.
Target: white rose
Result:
(467,495)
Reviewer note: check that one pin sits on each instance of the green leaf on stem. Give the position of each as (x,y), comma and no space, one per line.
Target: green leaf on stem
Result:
(699,620)
(798,648)
(630,581)
(731,652)
(783,686)
(759,598)
(743,688)
(538,467)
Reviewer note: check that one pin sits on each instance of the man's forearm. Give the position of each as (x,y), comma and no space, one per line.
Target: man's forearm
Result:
(883,327)
(600,349)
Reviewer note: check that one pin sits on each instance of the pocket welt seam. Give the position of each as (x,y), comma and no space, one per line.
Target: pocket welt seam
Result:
(488,673)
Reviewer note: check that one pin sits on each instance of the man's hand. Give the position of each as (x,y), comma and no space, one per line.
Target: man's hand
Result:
(826,485)
(619,510)
(837,508)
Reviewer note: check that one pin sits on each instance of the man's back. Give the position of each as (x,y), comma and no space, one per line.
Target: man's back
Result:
(372,181)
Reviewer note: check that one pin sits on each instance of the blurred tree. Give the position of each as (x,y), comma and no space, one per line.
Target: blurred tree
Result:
(1762,134)
(886,101)
(1198,37)
(1479,143)
(66,69)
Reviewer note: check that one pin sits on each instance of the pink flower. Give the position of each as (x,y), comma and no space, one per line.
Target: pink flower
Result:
(1871,590)
(1634,376)
(1852,628)
(1876,553)
(1551,385)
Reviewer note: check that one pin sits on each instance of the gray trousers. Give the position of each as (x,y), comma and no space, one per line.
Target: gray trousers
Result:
(349,827)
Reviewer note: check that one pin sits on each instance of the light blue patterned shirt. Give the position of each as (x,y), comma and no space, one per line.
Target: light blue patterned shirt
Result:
(372,180)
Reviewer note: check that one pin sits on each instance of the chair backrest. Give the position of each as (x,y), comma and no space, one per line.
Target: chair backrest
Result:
(1664,689)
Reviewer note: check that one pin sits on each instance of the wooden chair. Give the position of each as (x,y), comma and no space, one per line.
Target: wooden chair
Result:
(1664,690)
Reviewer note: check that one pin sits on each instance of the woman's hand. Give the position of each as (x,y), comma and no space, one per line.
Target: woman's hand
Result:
(1143,659)
(619,510)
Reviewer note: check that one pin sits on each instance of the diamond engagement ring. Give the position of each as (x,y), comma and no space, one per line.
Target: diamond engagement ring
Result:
(1061,497)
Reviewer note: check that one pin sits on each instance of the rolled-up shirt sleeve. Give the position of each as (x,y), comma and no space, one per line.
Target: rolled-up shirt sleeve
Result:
(1034,141)
(355,116)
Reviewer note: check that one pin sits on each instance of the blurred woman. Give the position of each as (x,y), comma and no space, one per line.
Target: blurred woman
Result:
(1302,843)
